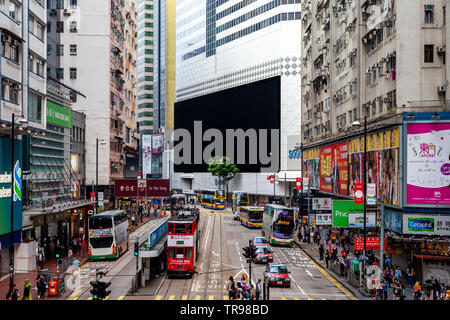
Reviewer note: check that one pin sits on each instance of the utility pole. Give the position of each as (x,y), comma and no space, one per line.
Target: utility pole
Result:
(11,248)
(382,235)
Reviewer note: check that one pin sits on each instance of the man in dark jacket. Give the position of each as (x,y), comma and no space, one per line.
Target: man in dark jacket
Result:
(41,285)
(321,252)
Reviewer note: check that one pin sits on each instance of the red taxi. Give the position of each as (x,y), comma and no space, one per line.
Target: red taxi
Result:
(277,274)
(263,254)
(259,241)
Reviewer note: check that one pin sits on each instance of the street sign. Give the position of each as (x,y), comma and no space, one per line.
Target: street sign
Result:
(305,184)
(298,183)
(321,204)
(359,195)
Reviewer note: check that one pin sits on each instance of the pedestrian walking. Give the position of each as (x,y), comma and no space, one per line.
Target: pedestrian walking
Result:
(437,287)
(258,289)
(41,286)
(385,288)
(387,262)
(398,273)
(27,290)
(15,295)
(321,252)
(388,276)
(41,258)
(231,289)
(417,291)
(327,258)
(403,293)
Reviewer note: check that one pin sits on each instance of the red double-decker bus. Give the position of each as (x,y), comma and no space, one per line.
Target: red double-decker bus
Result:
(182,242)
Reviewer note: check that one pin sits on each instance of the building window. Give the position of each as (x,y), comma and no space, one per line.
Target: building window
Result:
(59,73)
(49,27)
(59,4)
(59,26)
(34,107)
(59,49)
(73,26)
(429,53)
(73,73)
(429,13)
(10,48)
(73,4)
(36,65)
(13,10)
(73,49)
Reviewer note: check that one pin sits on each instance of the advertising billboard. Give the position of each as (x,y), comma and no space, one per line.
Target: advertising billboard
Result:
(438,225)
(244,125)
(321,203)
(428,163)
(356,220)
(326,157)
(147,188)
(146,155)
(342,209)
(393,221)
(157,143)
(5,189)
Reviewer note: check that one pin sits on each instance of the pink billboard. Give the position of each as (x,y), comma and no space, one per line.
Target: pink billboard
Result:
(428,163)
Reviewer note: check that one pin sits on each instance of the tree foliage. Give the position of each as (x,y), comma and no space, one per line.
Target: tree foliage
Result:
(220,167)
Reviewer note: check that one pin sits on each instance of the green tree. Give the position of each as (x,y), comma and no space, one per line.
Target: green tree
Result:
(221,168)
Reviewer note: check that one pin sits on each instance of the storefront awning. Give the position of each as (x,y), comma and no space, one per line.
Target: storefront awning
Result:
(290,175)
(187,176)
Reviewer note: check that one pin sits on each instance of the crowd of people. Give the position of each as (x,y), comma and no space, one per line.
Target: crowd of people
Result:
(242,290)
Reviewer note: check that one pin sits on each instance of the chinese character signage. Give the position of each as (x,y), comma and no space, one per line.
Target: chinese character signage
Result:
(321,203)
(151,188)
(157,143)
(372,243)
(323,219)
(146,154)
(424,224)
(59,115)
(428,163)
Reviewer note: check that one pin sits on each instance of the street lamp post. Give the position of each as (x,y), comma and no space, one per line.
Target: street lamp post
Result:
(358,124)
(102,142)
(11,249)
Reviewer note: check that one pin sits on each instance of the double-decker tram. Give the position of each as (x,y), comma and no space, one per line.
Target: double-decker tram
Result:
(182,242)
(213,199)
(278,224)
(108,234)
(177,202)
(240,199)
(251,217)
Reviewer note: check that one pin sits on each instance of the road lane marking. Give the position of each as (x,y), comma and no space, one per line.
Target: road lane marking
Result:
(197,297)
(107,297)
(328,276)
(283,298)
(296,298)
(90,298)
(76,298)
(225,298)
(158,297)
(310,298)
(120,298)
(210,298)
(172,297)
(184,297)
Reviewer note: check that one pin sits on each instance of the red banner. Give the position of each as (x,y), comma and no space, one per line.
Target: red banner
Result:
(147,188)
(340,169)
(359,193)
(372,243)
(298,183)
(326,160)
(158,188)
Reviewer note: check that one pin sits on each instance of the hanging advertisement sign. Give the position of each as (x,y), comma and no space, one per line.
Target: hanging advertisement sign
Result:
(372,243)
(393,221)
(305,184)
(321,203)
(339,171)
(428,163)
(323,219)
(341,210)
(426,224)
(326,161)
(157,143)
(371,193)
(359,193)
(356,220)
(5,189)
(146,155)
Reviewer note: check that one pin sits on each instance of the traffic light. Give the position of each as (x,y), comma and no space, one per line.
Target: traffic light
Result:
(99,291)
(103,293)
(252,252)
(246,252)
(136,248)
(95,290)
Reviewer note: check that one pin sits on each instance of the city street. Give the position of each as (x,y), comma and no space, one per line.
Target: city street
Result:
(222,240)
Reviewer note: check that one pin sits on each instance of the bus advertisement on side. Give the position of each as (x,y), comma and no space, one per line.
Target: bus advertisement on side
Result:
(279,224)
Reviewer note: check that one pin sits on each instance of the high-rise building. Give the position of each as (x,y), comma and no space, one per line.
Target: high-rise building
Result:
(227,44)
(374,96)
(145,70)
(90,31)
(23,94)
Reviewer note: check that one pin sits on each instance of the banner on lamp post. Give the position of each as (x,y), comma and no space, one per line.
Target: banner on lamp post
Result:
(359,194)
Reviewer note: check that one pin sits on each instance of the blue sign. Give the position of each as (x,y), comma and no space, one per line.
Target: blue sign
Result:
(208,196)
(295,154)
(157,234)
(393,221)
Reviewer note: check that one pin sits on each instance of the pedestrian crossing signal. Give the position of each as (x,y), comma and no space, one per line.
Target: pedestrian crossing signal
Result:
(136,249)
